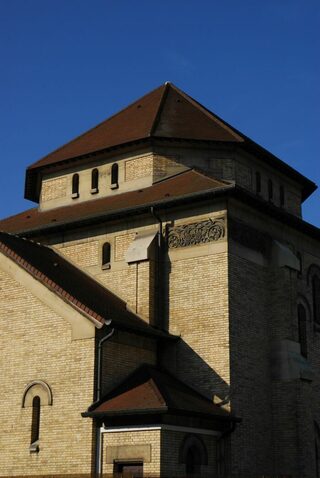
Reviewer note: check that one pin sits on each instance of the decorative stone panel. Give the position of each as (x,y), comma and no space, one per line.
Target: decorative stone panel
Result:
(196,233)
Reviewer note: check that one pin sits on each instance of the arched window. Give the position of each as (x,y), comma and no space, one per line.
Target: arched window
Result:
(106,255)
(258,182)
(281,194)
(302,326)
(94,181)
(316,299)
(36,395)
(75,186)
(193,454)
(114,176)
(270,190)
(35,424)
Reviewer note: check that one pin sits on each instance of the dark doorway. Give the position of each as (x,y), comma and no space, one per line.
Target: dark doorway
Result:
(128,470)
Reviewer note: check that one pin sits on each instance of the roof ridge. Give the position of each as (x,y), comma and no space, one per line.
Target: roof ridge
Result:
(160,108)
(237,134)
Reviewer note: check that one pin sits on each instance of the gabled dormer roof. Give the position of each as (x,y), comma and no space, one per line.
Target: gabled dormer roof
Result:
(164,113)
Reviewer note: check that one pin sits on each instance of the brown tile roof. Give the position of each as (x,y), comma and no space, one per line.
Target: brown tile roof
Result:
(73,285)
(186,183)
(165,112)
(149,390)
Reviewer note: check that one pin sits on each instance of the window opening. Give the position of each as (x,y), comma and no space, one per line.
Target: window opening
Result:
(193,462)
(35,424)
(128,470)
(281,196)
(258,182)
(316,299)
(75,186)
(270,190)
(94,181)
(300,264)
(106,255)
(302,325)
(114,176)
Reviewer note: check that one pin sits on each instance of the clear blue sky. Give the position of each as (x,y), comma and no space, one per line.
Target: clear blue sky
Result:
(68,64)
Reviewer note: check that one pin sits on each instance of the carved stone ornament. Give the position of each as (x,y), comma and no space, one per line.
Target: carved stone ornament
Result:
(196,233)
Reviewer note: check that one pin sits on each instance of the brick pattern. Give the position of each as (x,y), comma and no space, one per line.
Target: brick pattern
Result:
(65,438)
(124,354)
(138,167)
(122,243)
(84,254)
(165,165)
(152,437)
(244,176)
(198,310)
(53,189)
(171,442)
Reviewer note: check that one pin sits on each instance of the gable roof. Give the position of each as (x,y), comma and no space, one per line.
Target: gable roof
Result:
(72,285)
(150,390)
(184,184)
(165,112)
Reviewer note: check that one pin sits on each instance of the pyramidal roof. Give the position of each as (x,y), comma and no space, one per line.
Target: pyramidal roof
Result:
(166,112)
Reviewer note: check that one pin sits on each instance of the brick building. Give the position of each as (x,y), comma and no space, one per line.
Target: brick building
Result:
(160,307)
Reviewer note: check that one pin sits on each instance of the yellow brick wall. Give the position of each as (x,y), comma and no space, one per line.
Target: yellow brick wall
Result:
(152,437)
(83,254)
(138,167)
(54,189)
(121,244)
(35,343)
(122,355)
(198,310)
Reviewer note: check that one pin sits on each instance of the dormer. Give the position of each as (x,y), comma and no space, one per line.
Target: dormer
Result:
(160,135)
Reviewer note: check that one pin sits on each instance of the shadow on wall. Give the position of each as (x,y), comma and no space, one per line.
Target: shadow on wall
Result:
(184,363)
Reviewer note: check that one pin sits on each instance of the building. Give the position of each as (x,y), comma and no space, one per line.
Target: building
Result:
(160,306)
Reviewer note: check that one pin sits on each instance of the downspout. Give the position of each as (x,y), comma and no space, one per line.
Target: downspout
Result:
(158,275)
(98,460)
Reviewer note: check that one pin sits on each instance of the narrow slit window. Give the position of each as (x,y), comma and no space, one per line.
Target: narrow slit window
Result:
(316,299)
(35,424)
(302,325)
(114,176)
(270,190)
(106,255)
(94,181)
(75,186)
(281,196)
(258,182)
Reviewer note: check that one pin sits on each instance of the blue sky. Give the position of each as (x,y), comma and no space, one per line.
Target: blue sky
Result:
(68,64)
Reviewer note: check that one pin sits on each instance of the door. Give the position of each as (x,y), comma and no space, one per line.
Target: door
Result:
(128,470)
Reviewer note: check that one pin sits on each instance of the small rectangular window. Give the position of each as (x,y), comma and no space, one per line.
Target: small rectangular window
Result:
(258,182)
(270,190)
(281,196)
(94,181)
(114,176)
(75,186)
(106,255)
